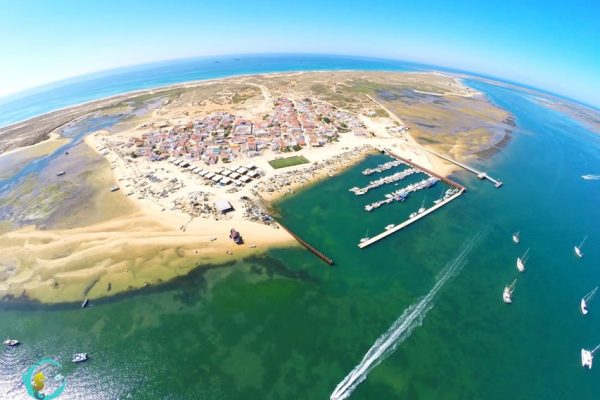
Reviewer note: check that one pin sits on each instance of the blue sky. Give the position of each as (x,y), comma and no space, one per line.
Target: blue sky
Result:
(554,45)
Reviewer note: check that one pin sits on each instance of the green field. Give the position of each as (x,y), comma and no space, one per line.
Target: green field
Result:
(288,161)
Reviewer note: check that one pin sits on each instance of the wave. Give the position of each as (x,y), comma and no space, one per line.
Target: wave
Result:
(402,328)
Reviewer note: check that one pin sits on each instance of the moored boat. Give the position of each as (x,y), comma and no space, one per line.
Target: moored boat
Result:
(508,291)
(85,303)
(578,250)
(587,357)
(585,301)
(516,238)
(521,262)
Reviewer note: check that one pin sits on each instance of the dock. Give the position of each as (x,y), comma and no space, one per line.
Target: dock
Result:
(480,174)
(409,221)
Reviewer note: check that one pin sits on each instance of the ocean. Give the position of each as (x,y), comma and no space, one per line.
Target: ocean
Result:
(421,311)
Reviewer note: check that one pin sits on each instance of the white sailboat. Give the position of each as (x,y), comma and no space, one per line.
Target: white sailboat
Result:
(515,237)
(578,248)
(521,261)
(586,299)
(587,356)
(366,237)
(508,291)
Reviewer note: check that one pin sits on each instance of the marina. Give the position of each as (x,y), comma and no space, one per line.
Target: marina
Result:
(401,194)
(480,174)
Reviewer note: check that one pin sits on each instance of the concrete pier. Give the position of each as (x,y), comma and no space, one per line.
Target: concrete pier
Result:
(480,174)
(406,223)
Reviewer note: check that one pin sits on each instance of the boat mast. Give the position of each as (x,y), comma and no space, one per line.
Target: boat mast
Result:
(582,242)
(595,348)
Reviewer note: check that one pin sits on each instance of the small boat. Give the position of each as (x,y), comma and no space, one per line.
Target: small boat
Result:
(587,357)
(521,261)
(516,238)
(212,239)
(11,342)
(364,239)
(114,188)
(412,215)
(85,303)
(591,177)
(586,299)
(578,251)
(508,291)
(79,357)
(388,227)
(61,173)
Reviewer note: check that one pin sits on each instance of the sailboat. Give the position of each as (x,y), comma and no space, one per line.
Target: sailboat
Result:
(587,357)
(521,261)
(422,208)
(508,291)
(585,300)
(515,237)
(578,248)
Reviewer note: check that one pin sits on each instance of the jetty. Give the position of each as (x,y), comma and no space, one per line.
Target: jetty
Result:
(480,174)
(382,167)
(409,221)
(307,245)
(402,194)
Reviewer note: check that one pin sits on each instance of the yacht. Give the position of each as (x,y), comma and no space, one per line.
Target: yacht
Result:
(516,238)
(586,299)
(587,357)
(578,251)
(11,342)
(521,262)
(79,357)
(508,291)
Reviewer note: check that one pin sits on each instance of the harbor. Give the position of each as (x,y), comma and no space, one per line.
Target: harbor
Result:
(480,174)
(402,194)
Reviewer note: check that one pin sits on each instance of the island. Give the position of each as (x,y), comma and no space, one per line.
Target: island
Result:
(132,191)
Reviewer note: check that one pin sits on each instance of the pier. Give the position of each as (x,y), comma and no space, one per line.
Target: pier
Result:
(480,174)
(409,221)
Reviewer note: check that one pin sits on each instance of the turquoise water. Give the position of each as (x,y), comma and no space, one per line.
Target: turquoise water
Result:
(288,326)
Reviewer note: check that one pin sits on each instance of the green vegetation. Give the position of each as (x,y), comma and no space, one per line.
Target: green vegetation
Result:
(288,162)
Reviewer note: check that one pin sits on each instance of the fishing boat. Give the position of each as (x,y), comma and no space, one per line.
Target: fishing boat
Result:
(586,299)
(516,238)
(521,261)
(578,251)
(11,342)
(587,357)
(85,303)
(508,291)
(79,357)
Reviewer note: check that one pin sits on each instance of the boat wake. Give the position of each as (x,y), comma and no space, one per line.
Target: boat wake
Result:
(591,177)
(402,328)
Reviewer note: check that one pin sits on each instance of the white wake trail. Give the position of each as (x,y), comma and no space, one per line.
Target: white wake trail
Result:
(401,329)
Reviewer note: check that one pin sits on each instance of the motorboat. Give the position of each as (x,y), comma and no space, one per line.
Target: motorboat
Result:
(79,357)
(11,342)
